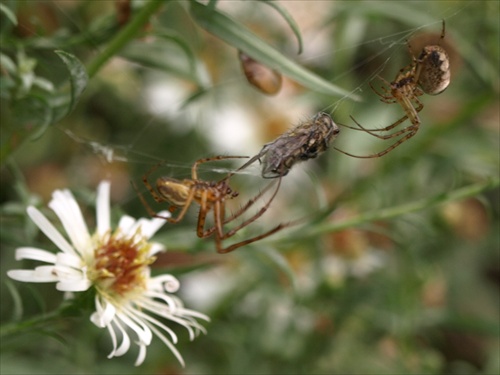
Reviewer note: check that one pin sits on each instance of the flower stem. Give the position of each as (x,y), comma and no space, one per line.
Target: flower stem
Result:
(124,36)
(38,321)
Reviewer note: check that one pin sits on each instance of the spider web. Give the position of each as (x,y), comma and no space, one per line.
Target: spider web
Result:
(231,129)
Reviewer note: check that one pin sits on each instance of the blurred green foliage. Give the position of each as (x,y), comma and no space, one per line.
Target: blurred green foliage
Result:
(353,291)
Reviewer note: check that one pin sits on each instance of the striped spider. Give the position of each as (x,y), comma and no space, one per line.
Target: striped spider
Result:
(428,73)
(209,195)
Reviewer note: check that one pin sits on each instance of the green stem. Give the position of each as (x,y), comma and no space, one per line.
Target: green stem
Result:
(129,32)
(392,212)
(14,328)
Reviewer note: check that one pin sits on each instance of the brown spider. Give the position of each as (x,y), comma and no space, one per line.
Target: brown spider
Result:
(428,73)
(305,141)
(209,195)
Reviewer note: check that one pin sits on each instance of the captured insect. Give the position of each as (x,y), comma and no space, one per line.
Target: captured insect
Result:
(305,141)
(209,195)
(428,73)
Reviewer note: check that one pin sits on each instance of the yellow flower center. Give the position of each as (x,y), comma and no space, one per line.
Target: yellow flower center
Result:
(120,265)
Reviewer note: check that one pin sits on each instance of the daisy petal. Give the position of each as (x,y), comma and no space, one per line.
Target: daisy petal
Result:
(142,355)
(125,344)
(31,276)
(64,205)
(49,230)
(74,286)
(35,254)
(116,264)
(102,208)
(150,227)
(125,223)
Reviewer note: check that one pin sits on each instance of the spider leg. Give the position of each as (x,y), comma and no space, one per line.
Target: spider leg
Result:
(251,161)
(185,207)
(238,213)
(386,97)
(145,178)
(256,215)
(200,232)
(411,112)
(410,134)
(194,168)
(237,245)
(387,128)
(389,136)
(151,212)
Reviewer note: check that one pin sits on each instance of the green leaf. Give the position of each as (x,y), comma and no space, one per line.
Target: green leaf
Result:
(181,43)
(288,18)
(243,39)
(9,14)
(165,56)
(77,76)
(8,64)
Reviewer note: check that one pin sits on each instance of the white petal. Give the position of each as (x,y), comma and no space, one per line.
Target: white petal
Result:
(125,345)
(49,230)
(113,340)
(169,344)
(167,299)
(155,248)
(150,227)
(103,209)
(167,282)
(142,355)
(148,319)
(143,332)
(73,286)
(126,222)
(69,260)
(64,205)
(31,276)
(104,314)
(35,254)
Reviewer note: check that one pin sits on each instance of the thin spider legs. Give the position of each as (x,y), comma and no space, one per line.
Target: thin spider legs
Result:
(240,211)
(387,150)
(209,195)
(158,199)
(218,238)
(410,131)
(194,168)
(258,214)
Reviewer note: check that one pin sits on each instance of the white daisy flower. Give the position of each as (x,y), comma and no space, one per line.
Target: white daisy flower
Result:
(116,264)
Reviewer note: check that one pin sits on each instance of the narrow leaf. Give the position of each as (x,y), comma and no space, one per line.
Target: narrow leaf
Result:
(288,18)
(241,38)
(77,76)
(9,14)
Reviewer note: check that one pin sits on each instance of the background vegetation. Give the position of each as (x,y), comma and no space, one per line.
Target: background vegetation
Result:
(396,269)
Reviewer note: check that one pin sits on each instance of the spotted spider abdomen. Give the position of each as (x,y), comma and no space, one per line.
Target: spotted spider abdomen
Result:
(434,65)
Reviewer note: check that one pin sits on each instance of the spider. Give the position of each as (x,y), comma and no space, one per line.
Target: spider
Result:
(306,141)
(209,195)
(428,73)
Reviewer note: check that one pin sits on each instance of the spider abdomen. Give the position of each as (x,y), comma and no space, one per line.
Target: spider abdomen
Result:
(173,191)
(434,68)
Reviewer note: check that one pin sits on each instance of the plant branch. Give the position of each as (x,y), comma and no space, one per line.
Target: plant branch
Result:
(129,32)
(392,212)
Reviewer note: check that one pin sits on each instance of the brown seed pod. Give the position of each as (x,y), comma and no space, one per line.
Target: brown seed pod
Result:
(260,76)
